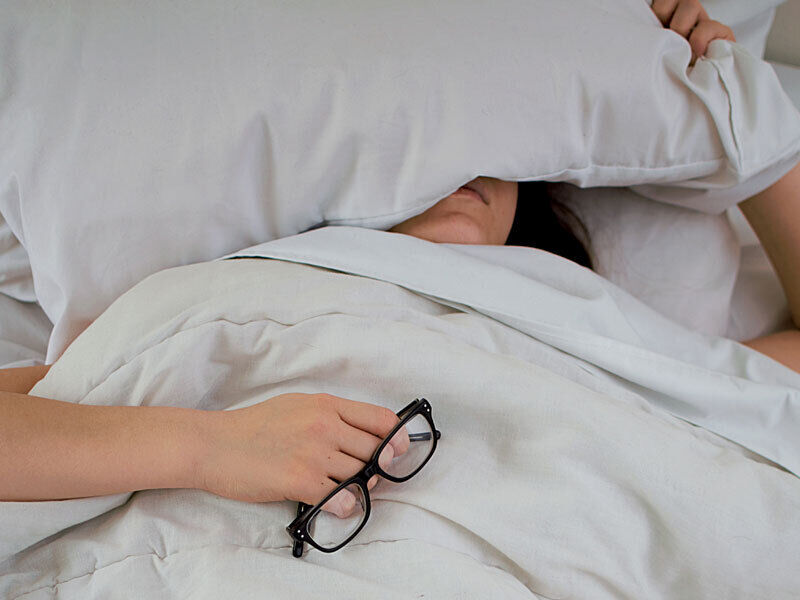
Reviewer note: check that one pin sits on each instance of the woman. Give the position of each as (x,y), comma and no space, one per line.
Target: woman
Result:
(294,446)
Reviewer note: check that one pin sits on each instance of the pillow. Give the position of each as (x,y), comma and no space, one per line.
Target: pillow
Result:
(24,330)
(681,262)
(16,279)
(136,140)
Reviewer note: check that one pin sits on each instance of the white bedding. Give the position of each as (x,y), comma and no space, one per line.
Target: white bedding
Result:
(560,472)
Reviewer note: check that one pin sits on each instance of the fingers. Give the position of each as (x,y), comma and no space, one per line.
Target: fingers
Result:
(668,10)
(360,430)
(664,9)
(313,488)
(386,457)
(689,19)
(373,419)
(357,442)
(340,466)
(342,505)
(400,441)
(705,32)
(686,17)
(362,445)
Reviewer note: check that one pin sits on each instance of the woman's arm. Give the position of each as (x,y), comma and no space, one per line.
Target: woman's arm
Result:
(21,379)
(774,215)
(54,450)
(783,346)
(57,450)
(289,447)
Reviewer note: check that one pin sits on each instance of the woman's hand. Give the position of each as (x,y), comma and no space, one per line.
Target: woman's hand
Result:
(293,447)
(689,18)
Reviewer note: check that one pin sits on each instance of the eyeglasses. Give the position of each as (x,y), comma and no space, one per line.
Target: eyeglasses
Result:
(402,453)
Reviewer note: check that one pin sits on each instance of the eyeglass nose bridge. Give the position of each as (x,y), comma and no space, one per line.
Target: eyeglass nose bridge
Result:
(370,470)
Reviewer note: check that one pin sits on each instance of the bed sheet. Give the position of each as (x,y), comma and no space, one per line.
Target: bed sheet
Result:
(562,470)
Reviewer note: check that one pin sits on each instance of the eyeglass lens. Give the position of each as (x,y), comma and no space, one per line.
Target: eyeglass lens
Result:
(349,508)
(408,448)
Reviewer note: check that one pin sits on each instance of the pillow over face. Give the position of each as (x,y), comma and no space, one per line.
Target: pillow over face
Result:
(139,140)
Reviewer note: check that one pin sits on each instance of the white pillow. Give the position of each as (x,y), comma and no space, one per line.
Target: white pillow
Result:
(16,279)
(135,140)
(24,331)
(681,262)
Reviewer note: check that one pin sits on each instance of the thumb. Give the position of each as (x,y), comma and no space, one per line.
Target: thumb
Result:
(386,457)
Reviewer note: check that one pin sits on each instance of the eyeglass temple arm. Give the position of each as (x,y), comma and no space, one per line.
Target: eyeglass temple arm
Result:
(424,436)
(297,546)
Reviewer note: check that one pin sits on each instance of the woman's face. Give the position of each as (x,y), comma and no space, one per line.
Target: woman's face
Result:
(479,212)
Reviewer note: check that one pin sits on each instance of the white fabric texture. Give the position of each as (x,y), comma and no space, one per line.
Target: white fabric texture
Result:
(750,20)
(736,13)
(758,304)
(16,279)
(199,128)
(752,33)
(24,332)
(24,328)
(681,262)
(555,476)
(789,76)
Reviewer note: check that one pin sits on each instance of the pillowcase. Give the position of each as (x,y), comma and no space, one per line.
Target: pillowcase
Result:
(16,279)
(681,262)
(24,331)
(136,140)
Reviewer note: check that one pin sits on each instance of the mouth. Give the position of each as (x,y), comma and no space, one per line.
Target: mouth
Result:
(473,190)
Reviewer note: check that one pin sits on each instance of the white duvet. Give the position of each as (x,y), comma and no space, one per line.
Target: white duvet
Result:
(562,472)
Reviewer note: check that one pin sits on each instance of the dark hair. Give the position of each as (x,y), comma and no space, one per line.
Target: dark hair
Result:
(541,221)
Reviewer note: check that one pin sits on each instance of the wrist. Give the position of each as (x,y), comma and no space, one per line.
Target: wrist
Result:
(193,447)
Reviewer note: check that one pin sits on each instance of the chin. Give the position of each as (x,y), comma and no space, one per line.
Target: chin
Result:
(461,238)
(463,230)
(449,228)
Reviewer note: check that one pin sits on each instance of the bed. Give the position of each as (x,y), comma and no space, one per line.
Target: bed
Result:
(603,434)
